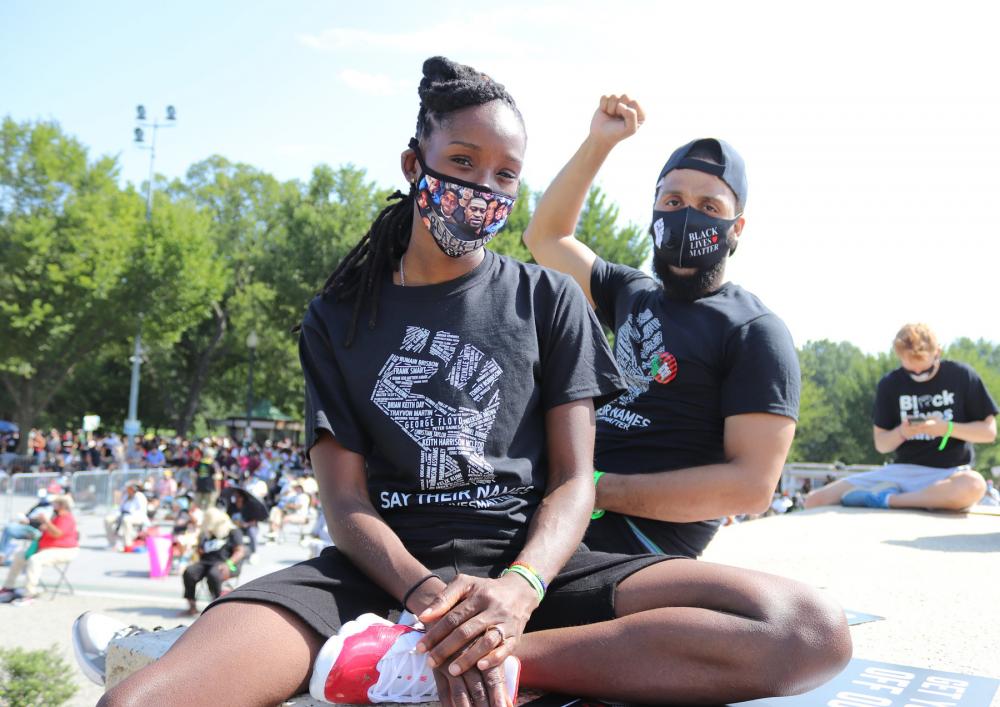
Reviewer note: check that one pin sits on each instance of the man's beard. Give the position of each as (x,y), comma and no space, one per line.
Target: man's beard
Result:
(688,288)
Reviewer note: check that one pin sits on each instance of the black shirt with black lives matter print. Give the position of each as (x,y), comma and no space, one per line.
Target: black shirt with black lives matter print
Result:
(446,397)
(955,393)
(688,366)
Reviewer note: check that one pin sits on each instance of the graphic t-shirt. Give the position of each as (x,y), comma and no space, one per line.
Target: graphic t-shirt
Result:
(688,366)
(446,397)
(955,393)
(212,549)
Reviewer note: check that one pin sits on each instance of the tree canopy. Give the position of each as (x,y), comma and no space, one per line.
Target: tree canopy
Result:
(230,250)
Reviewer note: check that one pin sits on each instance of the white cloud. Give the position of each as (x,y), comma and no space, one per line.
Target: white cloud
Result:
(372,84)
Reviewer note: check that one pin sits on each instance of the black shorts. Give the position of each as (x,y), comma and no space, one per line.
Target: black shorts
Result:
(329,590)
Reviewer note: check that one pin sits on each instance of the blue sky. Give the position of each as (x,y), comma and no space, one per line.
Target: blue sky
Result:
(869,129)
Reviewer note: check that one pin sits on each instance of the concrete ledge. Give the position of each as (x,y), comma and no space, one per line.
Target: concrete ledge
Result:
(129,655)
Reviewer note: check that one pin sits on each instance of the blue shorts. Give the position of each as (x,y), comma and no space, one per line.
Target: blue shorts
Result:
(909,477)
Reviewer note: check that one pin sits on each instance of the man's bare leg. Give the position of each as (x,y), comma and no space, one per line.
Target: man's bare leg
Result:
(829,495)
(239,653)
(960,490)
(695,633)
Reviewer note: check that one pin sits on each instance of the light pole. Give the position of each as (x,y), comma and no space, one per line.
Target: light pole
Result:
(252,342)
(132,426)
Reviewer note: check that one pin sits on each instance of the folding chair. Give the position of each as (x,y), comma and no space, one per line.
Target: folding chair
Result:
(63,581)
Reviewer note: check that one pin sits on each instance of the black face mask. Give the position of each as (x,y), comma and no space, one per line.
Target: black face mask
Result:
(688,238)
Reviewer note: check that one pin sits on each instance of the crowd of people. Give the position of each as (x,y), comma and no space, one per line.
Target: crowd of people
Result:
(69,450)
(212,509)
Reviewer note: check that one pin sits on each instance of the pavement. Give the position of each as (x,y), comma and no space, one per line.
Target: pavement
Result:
(934,577)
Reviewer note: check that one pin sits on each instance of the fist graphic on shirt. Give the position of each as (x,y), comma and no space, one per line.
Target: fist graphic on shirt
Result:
(638,343)
(451,438)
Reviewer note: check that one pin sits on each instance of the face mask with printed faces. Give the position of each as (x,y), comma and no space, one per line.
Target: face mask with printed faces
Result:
(460,215)
(689,238)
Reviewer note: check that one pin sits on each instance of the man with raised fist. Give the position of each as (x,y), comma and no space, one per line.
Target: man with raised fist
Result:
(713,377)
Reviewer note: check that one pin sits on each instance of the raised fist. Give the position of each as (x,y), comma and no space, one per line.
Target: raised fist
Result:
(616,118)
(451,438)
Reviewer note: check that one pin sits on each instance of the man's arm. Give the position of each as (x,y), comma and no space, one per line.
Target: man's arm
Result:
(978,432)
(888,441)
(549,235)
(756,446)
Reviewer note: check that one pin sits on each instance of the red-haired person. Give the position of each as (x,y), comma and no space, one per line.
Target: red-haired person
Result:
(928,412)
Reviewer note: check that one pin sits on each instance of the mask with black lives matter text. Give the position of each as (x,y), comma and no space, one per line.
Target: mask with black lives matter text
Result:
(688,238)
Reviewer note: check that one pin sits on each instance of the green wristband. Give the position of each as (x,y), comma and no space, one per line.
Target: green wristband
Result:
(231,565)
(598,512)
(529,577)
(947,436)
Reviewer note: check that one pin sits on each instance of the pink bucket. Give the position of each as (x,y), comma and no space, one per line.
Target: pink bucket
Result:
(160,549)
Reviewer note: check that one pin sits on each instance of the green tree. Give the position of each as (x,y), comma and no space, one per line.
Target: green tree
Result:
(838,392)
(598,228)
(508,241)
(984,357)
(243,206)
(66,234)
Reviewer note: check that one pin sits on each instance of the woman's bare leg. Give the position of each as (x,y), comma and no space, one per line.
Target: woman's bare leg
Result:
(239,653)
(695,633)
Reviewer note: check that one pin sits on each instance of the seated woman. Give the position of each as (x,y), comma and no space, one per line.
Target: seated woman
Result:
(450,412)
(187,528)
(59,543)
(220,554)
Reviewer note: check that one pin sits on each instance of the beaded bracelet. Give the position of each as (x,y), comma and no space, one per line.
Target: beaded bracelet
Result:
(529,575)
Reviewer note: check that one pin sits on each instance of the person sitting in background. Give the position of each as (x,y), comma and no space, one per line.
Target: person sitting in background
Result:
(154,457)
(59,543)
(319,536)
(188,519)
(26,527)
(220,551)
(122,526)
(208,480)
(166,487)
(929,412)
(293,507)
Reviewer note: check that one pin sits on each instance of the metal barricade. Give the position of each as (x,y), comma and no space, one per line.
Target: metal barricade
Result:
(91,489)
(22,491)
(5,498)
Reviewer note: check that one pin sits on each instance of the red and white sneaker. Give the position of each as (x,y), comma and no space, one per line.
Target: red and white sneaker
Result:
(372,660)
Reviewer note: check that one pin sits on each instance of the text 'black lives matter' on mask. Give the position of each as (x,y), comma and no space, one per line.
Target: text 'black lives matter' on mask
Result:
(460,215)
(688,238)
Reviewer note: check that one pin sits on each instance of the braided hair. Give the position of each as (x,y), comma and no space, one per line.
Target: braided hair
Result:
(446,87)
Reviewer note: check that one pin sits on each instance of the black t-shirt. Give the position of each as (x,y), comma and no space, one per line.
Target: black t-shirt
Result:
(204,481)
(446,397)
(214,550)
(688,366)
(956,393)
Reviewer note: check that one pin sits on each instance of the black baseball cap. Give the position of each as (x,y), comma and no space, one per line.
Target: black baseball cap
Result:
(730,168)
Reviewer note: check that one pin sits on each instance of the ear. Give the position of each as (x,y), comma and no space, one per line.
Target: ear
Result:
(734,236)
(408,164)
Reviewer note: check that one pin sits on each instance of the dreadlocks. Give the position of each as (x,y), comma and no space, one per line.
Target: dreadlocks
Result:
(445,87)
